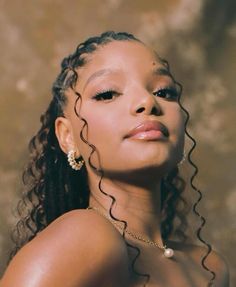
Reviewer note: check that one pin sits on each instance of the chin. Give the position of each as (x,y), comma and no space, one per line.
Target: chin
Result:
(161,167)
(160,163)
(146,170)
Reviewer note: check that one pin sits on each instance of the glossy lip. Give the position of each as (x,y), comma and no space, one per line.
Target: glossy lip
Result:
(149,130)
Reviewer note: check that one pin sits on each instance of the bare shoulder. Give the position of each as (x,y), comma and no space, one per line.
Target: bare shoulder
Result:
(74,250)
(214,261)
(217,263)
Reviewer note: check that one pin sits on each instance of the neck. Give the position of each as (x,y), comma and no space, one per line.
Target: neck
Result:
(138,205)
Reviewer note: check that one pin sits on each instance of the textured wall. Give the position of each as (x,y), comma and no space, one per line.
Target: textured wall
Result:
(197,37)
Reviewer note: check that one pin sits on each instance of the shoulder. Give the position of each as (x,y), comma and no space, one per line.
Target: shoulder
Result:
(218,264)
(82,228)
(68,250)
(214,261)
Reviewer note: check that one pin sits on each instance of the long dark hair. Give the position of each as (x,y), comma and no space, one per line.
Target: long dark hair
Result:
(53,188)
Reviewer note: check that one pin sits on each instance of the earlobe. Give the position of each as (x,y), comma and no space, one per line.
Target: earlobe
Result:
(64,134)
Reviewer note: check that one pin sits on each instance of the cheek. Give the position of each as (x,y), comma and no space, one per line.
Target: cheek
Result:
(176,119)
(176,126)
(101,131)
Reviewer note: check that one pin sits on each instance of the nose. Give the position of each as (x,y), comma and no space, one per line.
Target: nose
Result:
(147,104)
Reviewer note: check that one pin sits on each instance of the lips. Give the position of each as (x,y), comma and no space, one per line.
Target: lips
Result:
(149,130)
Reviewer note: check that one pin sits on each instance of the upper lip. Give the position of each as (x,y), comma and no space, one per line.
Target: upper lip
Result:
(148,126)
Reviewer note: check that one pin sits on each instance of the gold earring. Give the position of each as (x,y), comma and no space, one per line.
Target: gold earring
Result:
(72,161)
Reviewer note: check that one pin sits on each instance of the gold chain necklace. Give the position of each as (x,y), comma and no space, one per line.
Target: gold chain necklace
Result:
(168,252)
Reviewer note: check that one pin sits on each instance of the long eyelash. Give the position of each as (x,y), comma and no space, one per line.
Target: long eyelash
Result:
(99,95)
(173,91)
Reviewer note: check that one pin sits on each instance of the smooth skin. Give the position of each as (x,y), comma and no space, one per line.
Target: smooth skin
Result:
(122,86)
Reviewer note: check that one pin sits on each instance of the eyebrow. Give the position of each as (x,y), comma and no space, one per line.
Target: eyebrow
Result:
(162,72)
(159,71)
(97,74)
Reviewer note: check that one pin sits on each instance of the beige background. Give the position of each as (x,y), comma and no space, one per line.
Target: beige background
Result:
(197,37)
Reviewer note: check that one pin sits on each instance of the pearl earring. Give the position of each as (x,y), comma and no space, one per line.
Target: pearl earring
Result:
(72,161)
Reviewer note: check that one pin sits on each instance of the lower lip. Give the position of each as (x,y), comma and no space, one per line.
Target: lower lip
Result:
(149,135)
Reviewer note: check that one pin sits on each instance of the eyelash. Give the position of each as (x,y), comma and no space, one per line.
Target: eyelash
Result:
(106,95)
(170,94)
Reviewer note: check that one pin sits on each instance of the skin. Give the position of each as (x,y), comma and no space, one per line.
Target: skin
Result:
(132,169)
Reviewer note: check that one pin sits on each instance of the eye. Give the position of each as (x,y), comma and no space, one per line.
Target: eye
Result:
(170,94)
(106,96)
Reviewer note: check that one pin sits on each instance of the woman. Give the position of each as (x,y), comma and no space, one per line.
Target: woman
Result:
(104,214)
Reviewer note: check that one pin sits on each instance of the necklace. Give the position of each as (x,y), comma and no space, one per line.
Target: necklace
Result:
(168,252)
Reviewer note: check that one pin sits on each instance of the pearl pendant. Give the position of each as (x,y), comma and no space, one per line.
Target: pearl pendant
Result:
(168,253)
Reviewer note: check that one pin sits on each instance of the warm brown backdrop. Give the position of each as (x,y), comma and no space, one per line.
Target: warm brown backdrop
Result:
(197,37)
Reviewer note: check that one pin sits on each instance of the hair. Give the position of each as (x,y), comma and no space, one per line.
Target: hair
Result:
(53,188)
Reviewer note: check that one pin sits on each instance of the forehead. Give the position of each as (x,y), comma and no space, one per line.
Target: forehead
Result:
(122,56)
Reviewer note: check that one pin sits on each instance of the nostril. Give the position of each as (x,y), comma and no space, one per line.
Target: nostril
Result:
(140,110)
(155,111)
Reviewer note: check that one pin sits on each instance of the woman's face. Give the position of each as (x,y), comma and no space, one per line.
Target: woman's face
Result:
(131,107)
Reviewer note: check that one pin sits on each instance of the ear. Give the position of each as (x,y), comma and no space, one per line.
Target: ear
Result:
(64,134)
